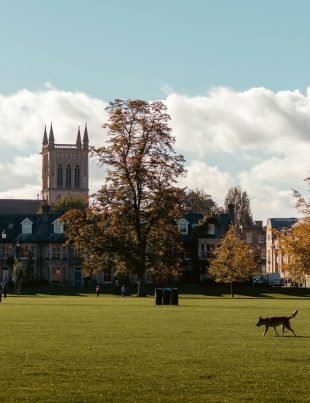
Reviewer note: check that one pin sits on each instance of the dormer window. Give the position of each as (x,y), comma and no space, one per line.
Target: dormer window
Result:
(211,229)
(58,226)
(27,226)
(183,226)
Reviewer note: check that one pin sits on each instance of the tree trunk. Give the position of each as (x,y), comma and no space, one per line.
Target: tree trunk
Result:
(231,289)
(141,285)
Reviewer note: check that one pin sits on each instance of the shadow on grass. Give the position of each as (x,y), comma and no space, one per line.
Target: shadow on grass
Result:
(196,291)
(244,291)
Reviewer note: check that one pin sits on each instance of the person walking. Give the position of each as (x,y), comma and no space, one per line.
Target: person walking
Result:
(5,289)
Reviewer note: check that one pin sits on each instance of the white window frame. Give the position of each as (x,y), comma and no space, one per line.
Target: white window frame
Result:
(26,226)
(58,226)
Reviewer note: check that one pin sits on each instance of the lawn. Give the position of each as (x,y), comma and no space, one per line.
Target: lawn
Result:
(79,348)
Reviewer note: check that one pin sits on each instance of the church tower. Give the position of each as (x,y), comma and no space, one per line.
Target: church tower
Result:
(64,166)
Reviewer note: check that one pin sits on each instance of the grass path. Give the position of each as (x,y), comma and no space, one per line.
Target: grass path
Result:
(112,349)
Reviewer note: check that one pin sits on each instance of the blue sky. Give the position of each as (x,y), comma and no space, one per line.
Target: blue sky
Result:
(132,48)
(234,76)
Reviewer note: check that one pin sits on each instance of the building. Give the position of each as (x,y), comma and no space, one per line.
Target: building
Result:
(33,234)
(255,236)
(64,167)
(199,237)
(275,257)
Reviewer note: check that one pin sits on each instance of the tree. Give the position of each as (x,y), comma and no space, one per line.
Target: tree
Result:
(69,202)
(241,202)
(302,204)
(233,260)
(132,220)
(18,273)
(197,201)
(295,244)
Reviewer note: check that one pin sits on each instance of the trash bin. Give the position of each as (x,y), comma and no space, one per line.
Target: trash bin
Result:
(174,296)
(167,296)
(158,296)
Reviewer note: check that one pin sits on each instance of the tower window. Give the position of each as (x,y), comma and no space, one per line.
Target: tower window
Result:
(68,176)
(77,177)
(59,176)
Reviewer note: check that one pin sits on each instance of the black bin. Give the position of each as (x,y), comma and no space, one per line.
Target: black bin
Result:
(158,296)
(174,296)
(167,296)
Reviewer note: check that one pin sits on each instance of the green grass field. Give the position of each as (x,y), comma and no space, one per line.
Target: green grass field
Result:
(65,348)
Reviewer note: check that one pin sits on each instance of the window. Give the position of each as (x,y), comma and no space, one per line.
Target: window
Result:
(26,226)
(58,274)
(27,251)
(56,252)
(263,251)
(58,226)
(211,229)
(183,227)
(261,239)
(206,251)
(68,176)
(77,177)
(249,237)
(59,176)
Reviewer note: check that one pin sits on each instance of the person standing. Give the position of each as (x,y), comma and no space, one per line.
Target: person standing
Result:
(97,291)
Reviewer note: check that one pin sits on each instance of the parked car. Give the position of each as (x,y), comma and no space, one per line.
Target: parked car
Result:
(259,280)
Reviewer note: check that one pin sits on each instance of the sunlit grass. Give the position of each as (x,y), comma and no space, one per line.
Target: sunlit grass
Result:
(112,349)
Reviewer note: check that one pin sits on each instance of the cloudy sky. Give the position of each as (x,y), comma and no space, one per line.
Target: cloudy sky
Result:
(233,74)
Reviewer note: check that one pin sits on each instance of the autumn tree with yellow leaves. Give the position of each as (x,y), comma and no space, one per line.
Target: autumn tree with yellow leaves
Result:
(233,260)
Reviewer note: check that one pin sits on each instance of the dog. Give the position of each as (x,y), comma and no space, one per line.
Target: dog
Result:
(283,321)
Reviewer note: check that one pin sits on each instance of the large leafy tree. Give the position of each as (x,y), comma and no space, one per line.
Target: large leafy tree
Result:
(69,202)
(197,201)
(240,199)
(295,242)
(233,259)
(131,223)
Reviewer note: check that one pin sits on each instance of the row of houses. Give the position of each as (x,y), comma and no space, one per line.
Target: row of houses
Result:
(35,235)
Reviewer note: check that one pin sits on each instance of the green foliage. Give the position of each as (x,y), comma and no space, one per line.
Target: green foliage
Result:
(66,203)
(130,223)
(233,259)
(197,201)
(241,202)
(295,244)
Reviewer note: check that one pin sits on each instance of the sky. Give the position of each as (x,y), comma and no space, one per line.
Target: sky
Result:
(234,76)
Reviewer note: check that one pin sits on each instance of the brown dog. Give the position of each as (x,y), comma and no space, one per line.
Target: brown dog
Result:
(283,321)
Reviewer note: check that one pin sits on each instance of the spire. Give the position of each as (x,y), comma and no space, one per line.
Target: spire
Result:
(85,137)
(45,142)
(78,139)
(51,136)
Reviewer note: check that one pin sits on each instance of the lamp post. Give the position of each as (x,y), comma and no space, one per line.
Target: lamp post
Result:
(3,236)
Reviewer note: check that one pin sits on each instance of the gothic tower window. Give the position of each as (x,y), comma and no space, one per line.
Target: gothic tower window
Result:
(77,177)
(59,176)
(68,176)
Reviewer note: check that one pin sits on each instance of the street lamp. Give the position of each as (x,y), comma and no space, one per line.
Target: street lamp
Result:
(3,236)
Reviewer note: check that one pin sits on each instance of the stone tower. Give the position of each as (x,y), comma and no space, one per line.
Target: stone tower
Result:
(64,167)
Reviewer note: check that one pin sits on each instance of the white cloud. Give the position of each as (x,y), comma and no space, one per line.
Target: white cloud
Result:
(210,179)
(257,139)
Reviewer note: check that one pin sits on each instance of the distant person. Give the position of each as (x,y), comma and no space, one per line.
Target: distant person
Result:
(97,291)
(5,289)
(123,290)
(116,286)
